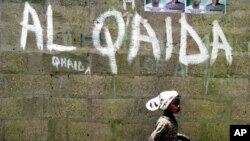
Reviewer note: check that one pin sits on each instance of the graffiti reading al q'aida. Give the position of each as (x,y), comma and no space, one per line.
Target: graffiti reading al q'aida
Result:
(187,6)
(110,48)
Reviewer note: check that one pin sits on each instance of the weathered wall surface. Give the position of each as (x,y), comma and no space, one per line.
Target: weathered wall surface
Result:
(81,95)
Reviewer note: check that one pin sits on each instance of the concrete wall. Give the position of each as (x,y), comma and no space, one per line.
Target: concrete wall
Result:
(74,95)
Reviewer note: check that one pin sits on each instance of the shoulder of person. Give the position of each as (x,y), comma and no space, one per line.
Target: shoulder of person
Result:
(163,120)
(221,4)
(202,6)
(181,3)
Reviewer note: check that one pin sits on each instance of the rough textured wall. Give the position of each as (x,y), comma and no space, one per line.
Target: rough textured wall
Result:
(51,95)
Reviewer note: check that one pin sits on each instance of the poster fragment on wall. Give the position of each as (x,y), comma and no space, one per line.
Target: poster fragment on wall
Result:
(187,6)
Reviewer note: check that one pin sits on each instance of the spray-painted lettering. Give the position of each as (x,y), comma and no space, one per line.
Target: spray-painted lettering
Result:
(219,39)
(63,62)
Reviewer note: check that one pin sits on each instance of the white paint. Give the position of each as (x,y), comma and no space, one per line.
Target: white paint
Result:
(111,47)
(193,58)
(87,71)
(36,28)
(112,59)
(50,45)
(63,62)
(137,37)
(128,1)
(219,34)
(128,15)
(169,34)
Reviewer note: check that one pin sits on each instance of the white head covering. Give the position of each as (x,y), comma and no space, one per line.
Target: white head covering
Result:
(161,101)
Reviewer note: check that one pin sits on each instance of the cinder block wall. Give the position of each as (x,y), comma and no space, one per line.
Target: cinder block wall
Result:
(42,102)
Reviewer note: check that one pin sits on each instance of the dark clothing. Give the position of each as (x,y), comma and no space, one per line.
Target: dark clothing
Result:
(215,8)
(166,129)
(175,6)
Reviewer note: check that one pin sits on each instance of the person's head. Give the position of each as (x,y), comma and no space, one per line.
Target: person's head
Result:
(215,1)
(174,106)
(196,2)
(166,101)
